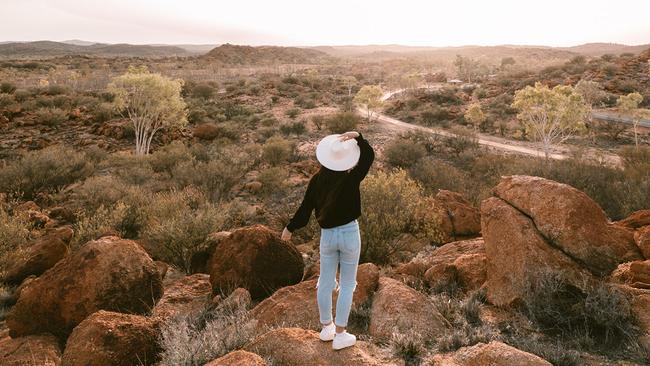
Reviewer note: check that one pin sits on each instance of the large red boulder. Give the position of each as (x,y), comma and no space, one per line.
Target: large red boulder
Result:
(107,338)
(238,358)
(516,253)
(41,255)
(105,274)
(447,254)
(256,259)
(642,240)
(398,308)
(300,347)
(184,295)
(570,221)
(30,350)
(296,305)
(465,218)
(494,353)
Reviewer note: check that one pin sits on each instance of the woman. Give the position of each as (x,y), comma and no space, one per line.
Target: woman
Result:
(334,194)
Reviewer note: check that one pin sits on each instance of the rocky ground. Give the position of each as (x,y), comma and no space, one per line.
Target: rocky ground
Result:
(111,303)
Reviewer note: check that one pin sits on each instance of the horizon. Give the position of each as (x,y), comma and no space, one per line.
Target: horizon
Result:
(461,23)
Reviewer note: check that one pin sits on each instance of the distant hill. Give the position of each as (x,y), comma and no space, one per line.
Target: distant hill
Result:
(265,55)
(599,49)
(78,42)
(48,49)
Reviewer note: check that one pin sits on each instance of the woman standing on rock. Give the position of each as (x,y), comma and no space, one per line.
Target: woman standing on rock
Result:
(334,193)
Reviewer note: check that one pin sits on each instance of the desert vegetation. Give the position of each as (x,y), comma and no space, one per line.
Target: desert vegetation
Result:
(149,192)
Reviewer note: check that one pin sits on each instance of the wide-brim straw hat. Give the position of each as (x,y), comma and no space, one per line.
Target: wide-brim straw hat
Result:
(337,155)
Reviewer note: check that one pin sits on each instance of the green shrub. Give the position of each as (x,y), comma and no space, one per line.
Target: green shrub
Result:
(203,91)
(51,116)
(293,112)
(434,174)
(178,225)
(273,180)
(22,95)
(56,90)
(403,153)
(103,112)
(297,128)
(14,232)
(99,222)
(342,122)
(49,169)
(464,140)
(169,156)
(8,88)
(393,204)
(277,150)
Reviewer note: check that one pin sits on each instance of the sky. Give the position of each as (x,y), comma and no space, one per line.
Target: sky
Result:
(330,22)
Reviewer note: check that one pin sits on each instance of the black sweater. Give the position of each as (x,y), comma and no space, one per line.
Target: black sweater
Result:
(334,195)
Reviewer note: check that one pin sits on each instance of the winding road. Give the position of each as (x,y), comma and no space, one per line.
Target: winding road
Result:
(492,142)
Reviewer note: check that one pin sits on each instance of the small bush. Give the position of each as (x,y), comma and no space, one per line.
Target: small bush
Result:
(169,156)
(434,174)
(403,153)
(342,122)
(297,128)
(272,180)
(92,225)
(199,337)
(203,91)
(207,131)
(51,116)
(276,151)
(8,88)
(393,205)
(292,113)
(14,232)
(408,347)
(463,140)
(49,169)
(56,90)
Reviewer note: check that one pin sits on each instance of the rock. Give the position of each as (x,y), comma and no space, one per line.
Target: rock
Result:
(200,259)
(446,254)
(635,274)
(253,186)
(105,274)
(30,350)
(162,268)
(299,347)
(571,221)
(38,219)
(494,353)
(27,206)
(206,131)
(296,305)
(636,220)
(516,253)
(62,214)
(472,270)
(399,308)
(40,256)
(642,240)
(106,338)
(256,259)
(183,296)
(238,358)
(465,218)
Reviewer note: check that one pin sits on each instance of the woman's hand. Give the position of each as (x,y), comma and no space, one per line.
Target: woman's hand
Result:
(286,234)
(349,135)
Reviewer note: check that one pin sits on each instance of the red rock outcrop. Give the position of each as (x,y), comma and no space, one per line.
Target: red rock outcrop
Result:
(107,338)
(184,295)
(300,347)
(516,252)
(296,305)
(465,218)
(642,240)
(399,308)
(41,255)
(492,354)
(570,221)
(30,350)
(238,358)
(636,220)
(105,274)
(256,259)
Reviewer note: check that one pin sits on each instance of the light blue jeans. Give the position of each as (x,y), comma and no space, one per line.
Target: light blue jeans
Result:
(339,246)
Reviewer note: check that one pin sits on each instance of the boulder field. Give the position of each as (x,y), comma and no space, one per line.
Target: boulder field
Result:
(105,303)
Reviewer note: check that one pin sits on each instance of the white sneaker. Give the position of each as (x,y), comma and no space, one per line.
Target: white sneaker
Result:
(343,340)
(327,334)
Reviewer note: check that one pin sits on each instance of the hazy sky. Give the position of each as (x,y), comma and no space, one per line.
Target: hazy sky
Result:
(329,22)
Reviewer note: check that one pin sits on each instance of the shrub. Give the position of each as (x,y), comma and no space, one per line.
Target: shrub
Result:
(96,191)
(342,122)
(404,153)
(103,112)
(393,205)
(14,232)
(292,113)
(206,131)
(272,180)
(179,230)
(463,140)
(203,91)
(434,174)
(169,156)
(56,90)
(22,95)
(49,169)
(195,338)
(296,127)
(408,347)
(598,317)
(277,150)
(92,225)
(8,88)
(51,116)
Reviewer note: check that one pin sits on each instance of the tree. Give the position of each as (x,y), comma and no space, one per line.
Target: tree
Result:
(467,67)
(369,97)
(550,116)
(151,101)
(507,61)
(350,81)
(629,104)
(475,115)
